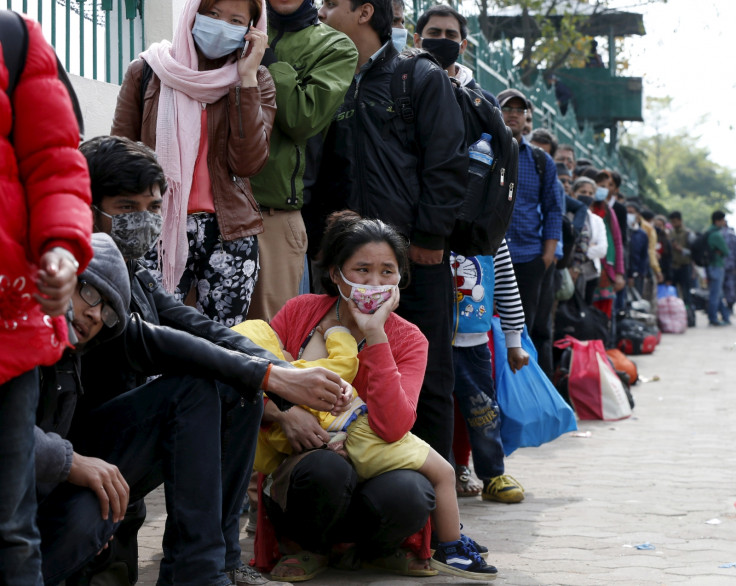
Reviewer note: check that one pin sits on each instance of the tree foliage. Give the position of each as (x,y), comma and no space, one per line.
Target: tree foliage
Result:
(686,178)
(547,43)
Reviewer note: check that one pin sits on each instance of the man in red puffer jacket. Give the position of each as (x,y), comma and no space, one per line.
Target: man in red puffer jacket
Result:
(45,229)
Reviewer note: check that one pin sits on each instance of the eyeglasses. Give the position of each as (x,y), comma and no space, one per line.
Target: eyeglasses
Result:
(513,110)
(93,298)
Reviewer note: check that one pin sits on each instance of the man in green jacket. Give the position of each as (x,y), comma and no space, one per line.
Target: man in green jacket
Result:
(717,251)
(312,66)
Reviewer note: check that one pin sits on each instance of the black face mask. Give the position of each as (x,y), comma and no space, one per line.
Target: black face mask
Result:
(446,51)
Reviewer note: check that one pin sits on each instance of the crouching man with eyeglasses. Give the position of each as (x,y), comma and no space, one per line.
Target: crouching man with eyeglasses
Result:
(131,444)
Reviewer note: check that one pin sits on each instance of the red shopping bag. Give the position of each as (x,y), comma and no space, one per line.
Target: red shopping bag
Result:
(595,390)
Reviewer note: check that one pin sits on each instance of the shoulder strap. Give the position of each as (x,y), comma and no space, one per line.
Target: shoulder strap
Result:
(146,75)
(540,161)
(14,39)
(64,78)
(402,83)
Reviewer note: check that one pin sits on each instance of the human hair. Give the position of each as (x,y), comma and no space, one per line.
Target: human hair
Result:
(566,147)
(255,7)
(675,215)
(616,176)
(544,136)
(346,232)
(118,166)
(603,175)
(716,216)
(647,214)
(442,10)
(581,181)
(590,172)
(383,16)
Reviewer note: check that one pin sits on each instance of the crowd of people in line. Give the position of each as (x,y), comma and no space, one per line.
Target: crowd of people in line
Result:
(248,284)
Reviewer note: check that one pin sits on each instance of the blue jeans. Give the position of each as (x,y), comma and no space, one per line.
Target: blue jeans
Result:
(716,276)
(20,553)
(239,435)
(166,431)
(476,397)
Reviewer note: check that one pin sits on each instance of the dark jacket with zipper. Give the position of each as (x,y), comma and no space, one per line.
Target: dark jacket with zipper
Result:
(239,129)
(411,176)
(189,343)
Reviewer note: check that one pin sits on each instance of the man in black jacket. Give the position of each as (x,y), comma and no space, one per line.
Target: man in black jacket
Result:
(411,176)
(165,431)
(127,188)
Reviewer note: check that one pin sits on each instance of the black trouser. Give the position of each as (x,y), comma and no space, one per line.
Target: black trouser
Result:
(325,505)
(536,288)
(682,276)
(427,303)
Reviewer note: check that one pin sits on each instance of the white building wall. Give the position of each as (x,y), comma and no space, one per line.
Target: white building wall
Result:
(97,98)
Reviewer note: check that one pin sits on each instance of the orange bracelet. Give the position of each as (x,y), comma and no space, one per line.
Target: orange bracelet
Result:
(264,384)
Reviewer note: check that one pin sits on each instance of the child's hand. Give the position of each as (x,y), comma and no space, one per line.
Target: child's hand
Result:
(326,324)
(518,358)
(344,399)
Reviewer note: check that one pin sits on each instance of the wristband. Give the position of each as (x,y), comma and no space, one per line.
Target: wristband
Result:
(264,384)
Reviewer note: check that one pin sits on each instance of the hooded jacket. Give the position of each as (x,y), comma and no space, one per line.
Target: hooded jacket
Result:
(60,383)
(311,65)
(45,194)
(413,177)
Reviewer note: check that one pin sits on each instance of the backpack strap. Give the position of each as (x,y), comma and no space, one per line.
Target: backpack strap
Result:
(146,75)
(540,161)
(64,78)
(402,84)
(14,40)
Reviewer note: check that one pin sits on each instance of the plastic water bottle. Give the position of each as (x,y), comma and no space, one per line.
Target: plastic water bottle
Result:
(481,155)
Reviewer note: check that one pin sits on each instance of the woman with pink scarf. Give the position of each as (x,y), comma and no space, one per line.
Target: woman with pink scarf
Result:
(206,106)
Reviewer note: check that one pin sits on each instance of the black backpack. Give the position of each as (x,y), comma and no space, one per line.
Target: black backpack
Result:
(14,37)
(699,249)
(486,210)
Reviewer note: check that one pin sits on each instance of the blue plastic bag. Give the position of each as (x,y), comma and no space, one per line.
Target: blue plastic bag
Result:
(666,291)
(532,411)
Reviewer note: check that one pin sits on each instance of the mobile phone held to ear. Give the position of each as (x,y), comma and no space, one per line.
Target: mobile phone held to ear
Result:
(247,44)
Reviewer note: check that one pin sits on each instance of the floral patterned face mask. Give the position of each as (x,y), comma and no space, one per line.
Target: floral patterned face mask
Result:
(368,298)
(135,233)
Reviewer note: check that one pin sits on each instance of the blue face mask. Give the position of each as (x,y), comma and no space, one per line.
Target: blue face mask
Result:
(601,194)
(398,38)
(217,38)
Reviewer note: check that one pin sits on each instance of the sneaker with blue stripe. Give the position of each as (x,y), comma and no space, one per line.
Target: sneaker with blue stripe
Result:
(458,559)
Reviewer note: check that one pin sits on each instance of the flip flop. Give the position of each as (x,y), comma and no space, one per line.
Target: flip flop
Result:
(311,564)
(398,563)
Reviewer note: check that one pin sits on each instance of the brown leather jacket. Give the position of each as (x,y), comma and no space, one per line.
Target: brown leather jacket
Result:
(245,116)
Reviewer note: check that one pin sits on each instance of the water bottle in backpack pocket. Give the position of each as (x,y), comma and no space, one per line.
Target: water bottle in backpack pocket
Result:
(480,154)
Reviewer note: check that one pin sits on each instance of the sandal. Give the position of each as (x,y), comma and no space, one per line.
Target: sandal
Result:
(465,484)
(399,563)
(310,563)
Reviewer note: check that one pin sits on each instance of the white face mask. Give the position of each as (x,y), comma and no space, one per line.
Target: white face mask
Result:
(631,220)
(601,193)
(398,38)
(368,298)
(217,38)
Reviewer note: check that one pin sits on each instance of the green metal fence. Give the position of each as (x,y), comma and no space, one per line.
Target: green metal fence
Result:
(93,38)
(495,71)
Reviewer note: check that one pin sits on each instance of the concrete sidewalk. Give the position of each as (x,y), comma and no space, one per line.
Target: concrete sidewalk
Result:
(664,477)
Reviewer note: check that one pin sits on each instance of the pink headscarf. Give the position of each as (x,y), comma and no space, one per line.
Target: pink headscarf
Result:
(184,90)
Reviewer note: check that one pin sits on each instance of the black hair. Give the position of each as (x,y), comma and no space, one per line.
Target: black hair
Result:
(647,214)
(590,172)
(544,136)
(346,232)
(118,166)
(717,215)
(675,215)
(383,16)
(442,10)
(567,147)
(616,176)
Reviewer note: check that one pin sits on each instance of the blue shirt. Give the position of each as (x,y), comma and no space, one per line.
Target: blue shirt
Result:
(537,212)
